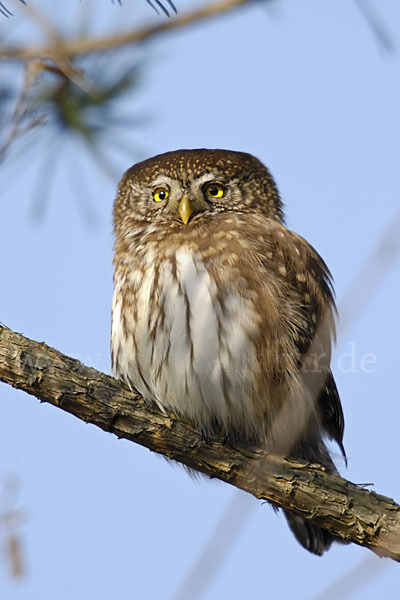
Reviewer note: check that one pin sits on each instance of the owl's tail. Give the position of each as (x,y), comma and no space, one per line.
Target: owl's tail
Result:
(310,536)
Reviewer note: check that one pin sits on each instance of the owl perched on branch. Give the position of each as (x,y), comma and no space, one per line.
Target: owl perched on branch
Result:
(220,313)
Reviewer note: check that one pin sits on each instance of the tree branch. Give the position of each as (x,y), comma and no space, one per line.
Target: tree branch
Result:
(87,45)
(346,510)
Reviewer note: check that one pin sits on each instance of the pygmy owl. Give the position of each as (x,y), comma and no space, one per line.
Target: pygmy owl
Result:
(219,311)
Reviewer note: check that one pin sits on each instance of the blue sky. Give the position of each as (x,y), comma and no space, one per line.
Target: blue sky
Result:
(306,88)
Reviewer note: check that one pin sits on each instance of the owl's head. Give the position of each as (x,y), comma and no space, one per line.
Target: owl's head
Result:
(186,186)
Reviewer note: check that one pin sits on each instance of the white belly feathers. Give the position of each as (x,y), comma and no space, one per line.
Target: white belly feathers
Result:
(182,350)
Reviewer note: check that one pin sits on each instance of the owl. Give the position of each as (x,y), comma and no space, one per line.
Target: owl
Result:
(220,313)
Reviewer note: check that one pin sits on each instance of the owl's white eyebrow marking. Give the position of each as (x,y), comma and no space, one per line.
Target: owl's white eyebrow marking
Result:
(163,180)
(207,177)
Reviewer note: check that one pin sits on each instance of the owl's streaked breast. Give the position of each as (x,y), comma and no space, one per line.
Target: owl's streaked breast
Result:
(183,346)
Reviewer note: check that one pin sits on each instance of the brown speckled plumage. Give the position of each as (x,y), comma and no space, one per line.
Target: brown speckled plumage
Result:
(226,320)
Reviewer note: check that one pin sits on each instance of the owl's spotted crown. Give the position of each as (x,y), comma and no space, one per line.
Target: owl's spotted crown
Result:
(184,164)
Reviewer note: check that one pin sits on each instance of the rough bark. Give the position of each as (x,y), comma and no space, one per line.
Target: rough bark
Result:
(347,510)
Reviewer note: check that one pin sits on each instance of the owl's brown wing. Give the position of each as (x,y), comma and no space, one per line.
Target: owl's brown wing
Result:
(331,413)
(310,286)
(318,308)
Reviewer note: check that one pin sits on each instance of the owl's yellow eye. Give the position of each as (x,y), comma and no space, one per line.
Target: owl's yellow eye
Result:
(215,190)
(160,194)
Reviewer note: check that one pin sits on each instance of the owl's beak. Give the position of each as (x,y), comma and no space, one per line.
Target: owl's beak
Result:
(185,209)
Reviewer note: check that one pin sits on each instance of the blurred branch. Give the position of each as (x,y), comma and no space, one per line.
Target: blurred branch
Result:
(371,275)
(346,510)
(49,98)
(74,47)
(59,56)
(10,521)
(197,580)
(32,71)
(377,26)
(351,583)
(84,108)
